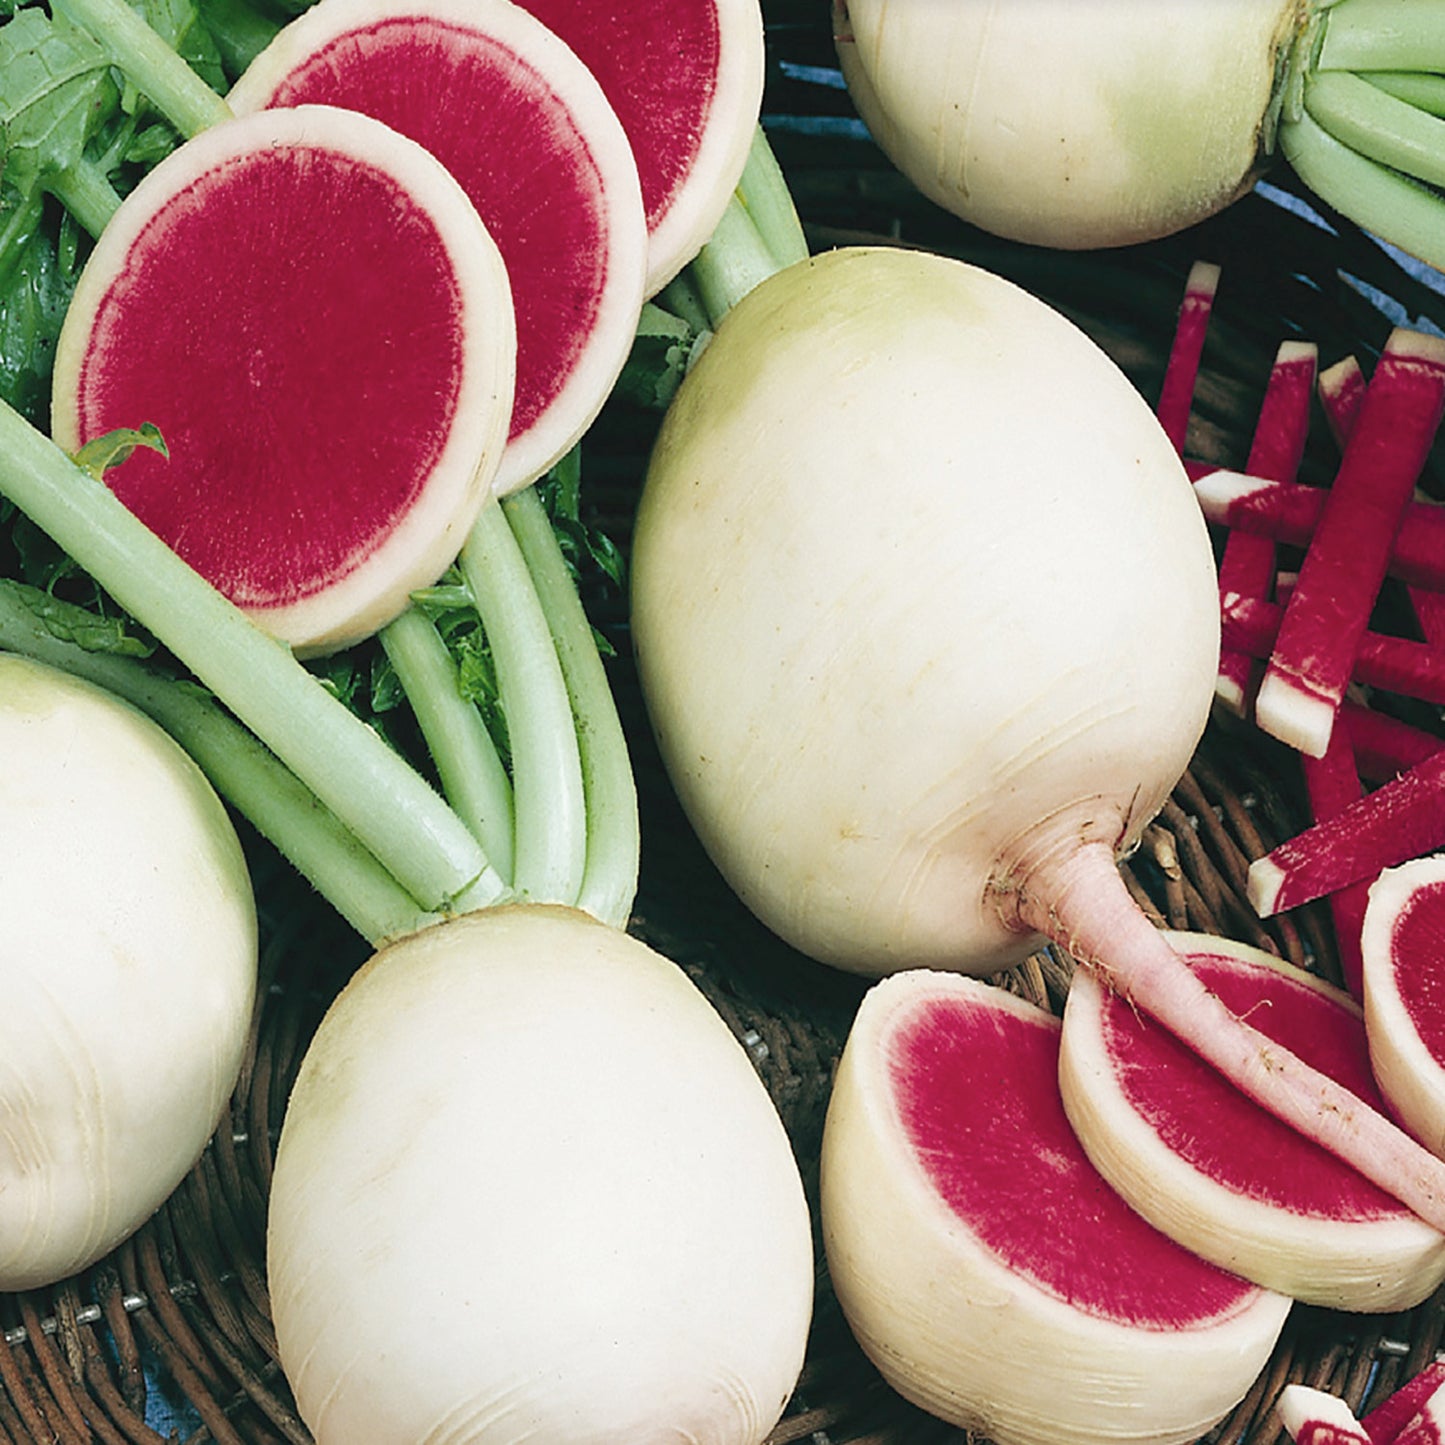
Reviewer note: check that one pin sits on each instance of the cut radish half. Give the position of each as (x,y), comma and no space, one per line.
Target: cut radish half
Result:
(1403,944)
(984,1265)
(686,80)
(517,118)
(309,308)
(1212,1169)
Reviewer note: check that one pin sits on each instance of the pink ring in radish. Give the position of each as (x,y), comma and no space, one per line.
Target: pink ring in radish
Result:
(529,135)
(309,308)
(686,80)
(1211,1169)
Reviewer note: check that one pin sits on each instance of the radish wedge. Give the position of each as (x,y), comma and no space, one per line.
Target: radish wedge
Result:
(1401,945)
(308,307)
(686,81)
(1211,1168)
(522,125)
(984,1265)
(1349,553)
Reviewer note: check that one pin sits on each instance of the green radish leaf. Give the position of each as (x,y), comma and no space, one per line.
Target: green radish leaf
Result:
(55,88)
(83,627)
(101,453)
(179,24)
(38,271)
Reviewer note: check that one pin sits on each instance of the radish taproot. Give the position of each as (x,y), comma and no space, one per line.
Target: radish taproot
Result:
(129,967)
(308,307)
(986,1267)
(526,131)
(1213,1171)
(898,655)
(686,81)
(1120,121)
(1400,945)
(605,1235)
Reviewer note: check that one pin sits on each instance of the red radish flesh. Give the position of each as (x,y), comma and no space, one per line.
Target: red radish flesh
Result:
(686,81)
(523,127)
(1289,512)
(1345,564)
(1403,944)
(1395,664)
(309,309)
(1332,783)
(1384,746)
(985,1266)
(1214,1171)
(1384,1423)
(1400,820)
(1181,369)
(1248,562)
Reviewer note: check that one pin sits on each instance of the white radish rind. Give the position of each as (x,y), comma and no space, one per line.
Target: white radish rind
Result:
(530,1188)
(643,54)
(529,135)
(1306,1412)
(1066,124)
(920,595)
(371,585)
(1364,1253)
(1400,972)
(127,966)
(1021,1350)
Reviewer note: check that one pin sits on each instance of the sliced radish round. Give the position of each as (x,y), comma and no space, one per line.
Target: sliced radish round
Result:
(520,122)
(309,308)
(1403,943)
(986,1268)
(686,80)
(1216,1172)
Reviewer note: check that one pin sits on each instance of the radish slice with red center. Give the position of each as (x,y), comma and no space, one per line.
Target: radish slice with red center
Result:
(1215,1171)
(517,118)
(984,1265)
(1403,942)
(686,80)
(308,307)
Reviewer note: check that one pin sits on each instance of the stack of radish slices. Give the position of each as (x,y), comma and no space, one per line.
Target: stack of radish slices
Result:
(349,343)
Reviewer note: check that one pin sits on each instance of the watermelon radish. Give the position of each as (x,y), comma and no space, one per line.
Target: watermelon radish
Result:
(1214,1171)
(308,306)
(686,81)
(520,122)
(985,1266)
(1401,944)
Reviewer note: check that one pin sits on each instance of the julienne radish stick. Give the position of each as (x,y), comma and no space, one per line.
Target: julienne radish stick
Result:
(1346,561)
(1385,1422)
(1290,511)
(1332,783)
(1400,820)
(1342,389)
(1394,664)
(1385,746)
(1247,565)
(1181,368)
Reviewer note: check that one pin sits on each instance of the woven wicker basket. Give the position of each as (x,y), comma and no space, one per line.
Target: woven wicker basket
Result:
(170,1338)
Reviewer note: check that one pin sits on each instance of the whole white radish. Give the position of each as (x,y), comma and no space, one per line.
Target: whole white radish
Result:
(530,1188)
(927,626)
(127,965)
(1118,121)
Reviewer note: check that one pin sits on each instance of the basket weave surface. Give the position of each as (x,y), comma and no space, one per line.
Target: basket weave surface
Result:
(170,1338)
